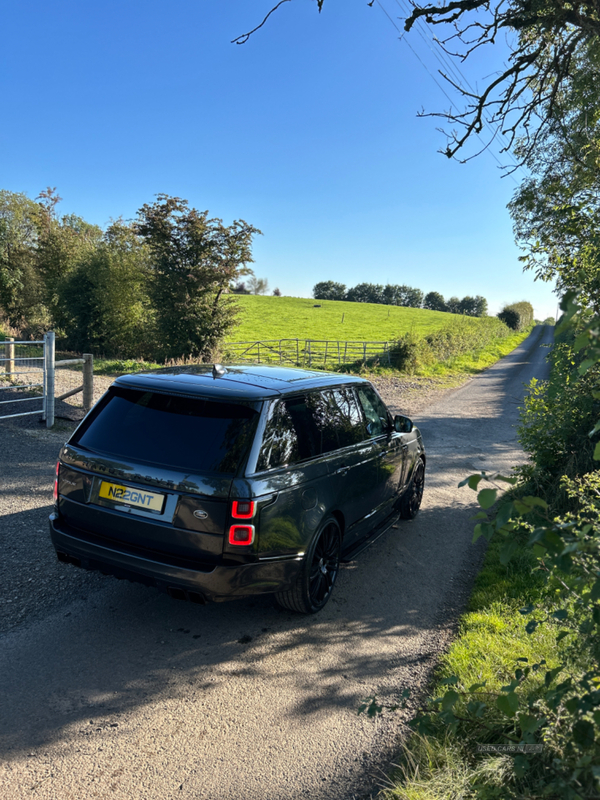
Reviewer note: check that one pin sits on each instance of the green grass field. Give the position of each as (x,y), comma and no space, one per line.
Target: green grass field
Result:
(297,318)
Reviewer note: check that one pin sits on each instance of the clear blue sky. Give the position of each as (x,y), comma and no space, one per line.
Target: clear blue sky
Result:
(309,132)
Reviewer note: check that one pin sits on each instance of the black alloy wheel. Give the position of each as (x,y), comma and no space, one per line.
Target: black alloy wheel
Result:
(411,499)
(315,582)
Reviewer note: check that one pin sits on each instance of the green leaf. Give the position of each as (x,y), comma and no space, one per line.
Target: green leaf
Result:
(371,706)
(585,365)
(507,551)
(531,500)
(508,704)
(531,626)
(597,452)
(521,508)
(474,687)
(512,481)
(472,480)
(561,614)
(583,733)
(561,635)
(475,708)
(521,764)
(487,497)
(595,591)
(451,681)
(595,429)
(551,674)
(572,705)
(480,515)
(539,551)
(528,723)
(483,529)
(581,341)
(504,514)
(449,699)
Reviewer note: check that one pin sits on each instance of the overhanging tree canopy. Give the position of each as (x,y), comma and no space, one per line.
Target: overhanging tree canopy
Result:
(520,98)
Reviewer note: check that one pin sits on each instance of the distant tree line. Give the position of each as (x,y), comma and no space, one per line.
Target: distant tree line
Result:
(396,295)
(157,287)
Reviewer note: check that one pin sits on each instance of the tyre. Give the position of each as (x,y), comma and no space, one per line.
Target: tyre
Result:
(410,502)
(317,577)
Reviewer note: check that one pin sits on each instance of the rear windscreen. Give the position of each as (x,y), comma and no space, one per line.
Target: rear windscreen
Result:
(184,433)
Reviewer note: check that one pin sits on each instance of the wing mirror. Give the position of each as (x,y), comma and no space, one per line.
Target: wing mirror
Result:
(402,424)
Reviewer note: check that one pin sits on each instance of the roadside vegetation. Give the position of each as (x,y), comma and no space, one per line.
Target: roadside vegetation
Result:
(514,710)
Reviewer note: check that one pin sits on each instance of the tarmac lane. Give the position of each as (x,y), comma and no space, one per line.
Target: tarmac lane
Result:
(113,690)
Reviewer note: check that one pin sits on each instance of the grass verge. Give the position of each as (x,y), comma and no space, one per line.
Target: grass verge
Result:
(491,638)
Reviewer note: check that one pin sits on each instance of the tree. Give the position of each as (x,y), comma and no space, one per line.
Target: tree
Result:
(239,288)
(193,260)
(62,243)
(556,209)
(108,298)
(411,297)
(392,295)
(519,98)
(453,305)
(329,290)
(276,292)
(517,315)
(257,285)
(21,288)
(481,306)
(434,301)
(366,293)
(473,306)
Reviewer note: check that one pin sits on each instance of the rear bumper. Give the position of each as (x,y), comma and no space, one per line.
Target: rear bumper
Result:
(210,584)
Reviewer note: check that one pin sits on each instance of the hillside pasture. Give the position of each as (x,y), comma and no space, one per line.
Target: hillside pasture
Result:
(301,318)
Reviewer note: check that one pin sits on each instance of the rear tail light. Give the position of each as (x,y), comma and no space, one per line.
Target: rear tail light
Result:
(242,509)
(55,492)
(241,534)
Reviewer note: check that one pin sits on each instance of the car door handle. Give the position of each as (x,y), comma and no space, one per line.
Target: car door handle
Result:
(342,470)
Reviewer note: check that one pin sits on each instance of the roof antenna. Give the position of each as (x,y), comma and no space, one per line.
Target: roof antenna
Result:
(218,371)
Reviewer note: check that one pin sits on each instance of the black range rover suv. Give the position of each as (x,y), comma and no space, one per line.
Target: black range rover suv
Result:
(214,483)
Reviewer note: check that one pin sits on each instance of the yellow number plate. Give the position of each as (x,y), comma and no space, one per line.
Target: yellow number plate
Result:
(132,497)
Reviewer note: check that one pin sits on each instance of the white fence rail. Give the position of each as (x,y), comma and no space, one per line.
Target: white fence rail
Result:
(305,352)
(29,373)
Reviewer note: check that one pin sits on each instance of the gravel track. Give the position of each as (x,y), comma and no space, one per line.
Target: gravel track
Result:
(111,689)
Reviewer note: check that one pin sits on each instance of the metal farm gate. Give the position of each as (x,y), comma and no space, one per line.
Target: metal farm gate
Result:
(28,375)
(319,353)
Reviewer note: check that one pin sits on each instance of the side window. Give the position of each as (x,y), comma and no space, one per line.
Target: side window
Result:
(375,412)
(303,427)
(291,434)
(348,419)
(280,440)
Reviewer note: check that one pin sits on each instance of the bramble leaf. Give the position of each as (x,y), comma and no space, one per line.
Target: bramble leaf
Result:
(507,551)
(508,704)
(449,699)
(487,497)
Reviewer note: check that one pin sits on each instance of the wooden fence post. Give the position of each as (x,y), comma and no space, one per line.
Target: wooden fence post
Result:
(88,381)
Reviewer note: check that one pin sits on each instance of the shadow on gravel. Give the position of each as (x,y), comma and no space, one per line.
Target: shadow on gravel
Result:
(124,646)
